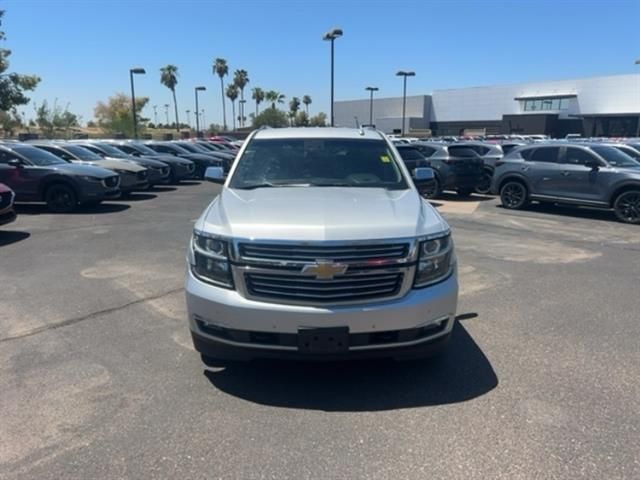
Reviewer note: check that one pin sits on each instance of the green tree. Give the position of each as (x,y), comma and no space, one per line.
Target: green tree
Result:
(232,93)
(302,119)
(307,101)
(169,78)
(257,94)
(274,97)
(10,121)
(271,117)
(294,106)
(241,78)
(13,85)
(54,119)
(114,116)
(221,69)
(319,120)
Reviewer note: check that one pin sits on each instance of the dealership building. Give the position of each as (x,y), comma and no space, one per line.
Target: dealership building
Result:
(598,106)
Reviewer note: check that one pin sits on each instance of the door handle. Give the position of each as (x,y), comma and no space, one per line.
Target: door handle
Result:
(566,174)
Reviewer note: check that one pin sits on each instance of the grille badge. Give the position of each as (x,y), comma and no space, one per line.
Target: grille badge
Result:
(325,269)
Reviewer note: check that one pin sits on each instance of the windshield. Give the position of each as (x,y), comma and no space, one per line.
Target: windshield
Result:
(143,149)
(615,157)
(632,152)
(38,157)
(318,162)
(82,153)
(173,148)
(111,151)
(192,148)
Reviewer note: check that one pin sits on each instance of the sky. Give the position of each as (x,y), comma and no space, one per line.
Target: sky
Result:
(83,49)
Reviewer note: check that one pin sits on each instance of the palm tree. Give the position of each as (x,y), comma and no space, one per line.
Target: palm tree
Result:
(232,93)
(307,101)
(274,97)
(221,69)
(258,95)
(294,106)
(169,78)
(241,78)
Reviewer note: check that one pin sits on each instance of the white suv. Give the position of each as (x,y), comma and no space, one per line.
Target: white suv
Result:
(320,247)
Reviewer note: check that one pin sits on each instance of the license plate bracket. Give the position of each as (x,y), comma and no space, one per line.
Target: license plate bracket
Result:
(323,340)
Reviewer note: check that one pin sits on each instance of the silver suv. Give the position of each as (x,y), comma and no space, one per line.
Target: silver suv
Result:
(319,246)
(586,174)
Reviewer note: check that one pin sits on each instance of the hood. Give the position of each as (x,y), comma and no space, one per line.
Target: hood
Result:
(144,162)
(320,214)
(84,168)
(114,165)
(635,171)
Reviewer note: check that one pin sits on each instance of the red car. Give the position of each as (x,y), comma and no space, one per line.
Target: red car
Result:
(7,213)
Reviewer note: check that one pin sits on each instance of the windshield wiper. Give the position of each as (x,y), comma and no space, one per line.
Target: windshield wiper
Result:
(272,185)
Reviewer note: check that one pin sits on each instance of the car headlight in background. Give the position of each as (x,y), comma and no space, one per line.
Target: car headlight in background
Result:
(436,261)
(90,179)
(209,259)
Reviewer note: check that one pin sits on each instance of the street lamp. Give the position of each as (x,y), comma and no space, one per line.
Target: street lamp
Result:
(637,62)
(404,74)
(198,89)
(188,112)
(242,102)
(371,90)
(155,115)
(204,123)
(136,71)
(331,35)
(166,113)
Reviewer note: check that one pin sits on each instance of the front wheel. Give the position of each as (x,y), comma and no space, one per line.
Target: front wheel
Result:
(61,198)
(433,190)
(465,192)
(627,207)
(514,195)
(484,185)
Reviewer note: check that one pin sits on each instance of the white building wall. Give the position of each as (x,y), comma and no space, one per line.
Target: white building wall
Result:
(387,112)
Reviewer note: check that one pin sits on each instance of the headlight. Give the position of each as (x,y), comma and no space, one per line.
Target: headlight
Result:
(90,179)
(210,260)
(436,260)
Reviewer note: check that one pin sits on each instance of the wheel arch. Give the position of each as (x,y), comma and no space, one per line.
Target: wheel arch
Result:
(57,180)
(633,185)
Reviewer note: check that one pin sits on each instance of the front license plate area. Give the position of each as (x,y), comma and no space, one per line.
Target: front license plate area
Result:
(323,340)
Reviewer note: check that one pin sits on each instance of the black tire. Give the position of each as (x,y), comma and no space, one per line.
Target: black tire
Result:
(484,186)
(514,195)
(199,172)
(432,191)
(465,192)
(627,207)
(61,198)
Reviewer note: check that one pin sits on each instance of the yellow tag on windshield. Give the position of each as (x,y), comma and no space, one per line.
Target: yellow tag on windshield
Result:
(385,159)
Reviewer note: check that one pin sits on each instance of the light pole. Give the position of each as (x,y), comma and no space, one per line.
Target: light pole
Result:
(242,102)
(371,90)
(204,123)
(155,114)
(331,36)
(188,112)
(404,74)
(198,89)
(166,113)
(637,62)
(132,71)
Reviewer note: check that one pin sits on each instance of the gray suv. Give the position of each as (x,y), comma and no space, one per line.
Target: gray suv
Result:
(585,174)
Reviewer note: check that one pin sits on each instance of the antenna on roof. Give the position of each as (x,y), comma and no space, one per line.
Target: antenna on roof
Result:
(358,126)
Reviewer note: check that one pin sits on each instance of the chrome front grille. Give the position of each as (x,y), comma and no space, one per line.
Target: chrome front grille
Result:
(311,253)
(344,288)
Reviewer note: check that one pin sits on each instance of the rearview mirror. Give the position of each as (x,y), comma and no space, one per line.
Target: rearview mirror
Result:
(214,174)
(423,175)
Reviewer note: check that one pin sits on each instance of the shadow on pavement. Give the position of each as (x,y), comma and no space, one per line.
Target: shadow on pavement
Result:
(136,197)
(453,197)
(461,373)
(157,189)
(39,209)
(9,237)
(569,211)
(190,182)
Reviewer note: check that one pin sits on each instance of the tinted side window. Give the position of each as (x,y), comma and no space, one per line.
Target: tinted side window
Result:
(577,156)
(545,154)
(463,152)
(57,152)
(410,154)
(426,151)
(6,156)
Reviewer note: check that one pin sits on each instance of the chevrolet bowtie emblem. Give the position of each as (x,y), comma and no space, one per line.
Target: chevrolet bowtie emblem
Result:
(324,270)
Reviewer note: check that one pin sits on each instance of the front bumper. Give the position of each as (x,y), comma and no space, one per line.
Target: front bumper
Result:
(95,192)
(224,324)
(7,216)
(457,181)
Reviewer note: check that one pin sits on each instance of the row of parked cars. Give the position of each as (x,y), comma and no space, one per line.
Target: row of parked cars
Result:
(68,174)
(597,173)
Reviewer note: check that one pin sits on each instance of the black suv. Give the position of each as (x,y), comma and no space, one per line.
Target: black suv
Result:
(585,174)
(38,176)
(456,167)
(181,168)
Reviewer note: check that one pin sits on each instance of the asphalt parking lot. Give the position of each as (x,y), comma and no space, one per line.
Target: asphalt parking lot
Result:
(98,378)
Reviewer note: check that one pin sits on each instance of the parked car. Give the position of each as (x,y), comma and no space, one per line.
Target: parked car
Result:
(335,253)
(584,174)
(629,150)
(132,176)
(181,168)
(456,167)
(202,161)
(38,176)
(157,171)
(7,212)
(413,159)
(509,145)
(194,147)
(490,154)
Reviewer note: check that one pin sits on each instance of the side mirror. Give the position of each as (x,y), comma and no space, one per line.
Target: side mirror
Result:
(592,164)
(14,162)
(214,175)
(423,175)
